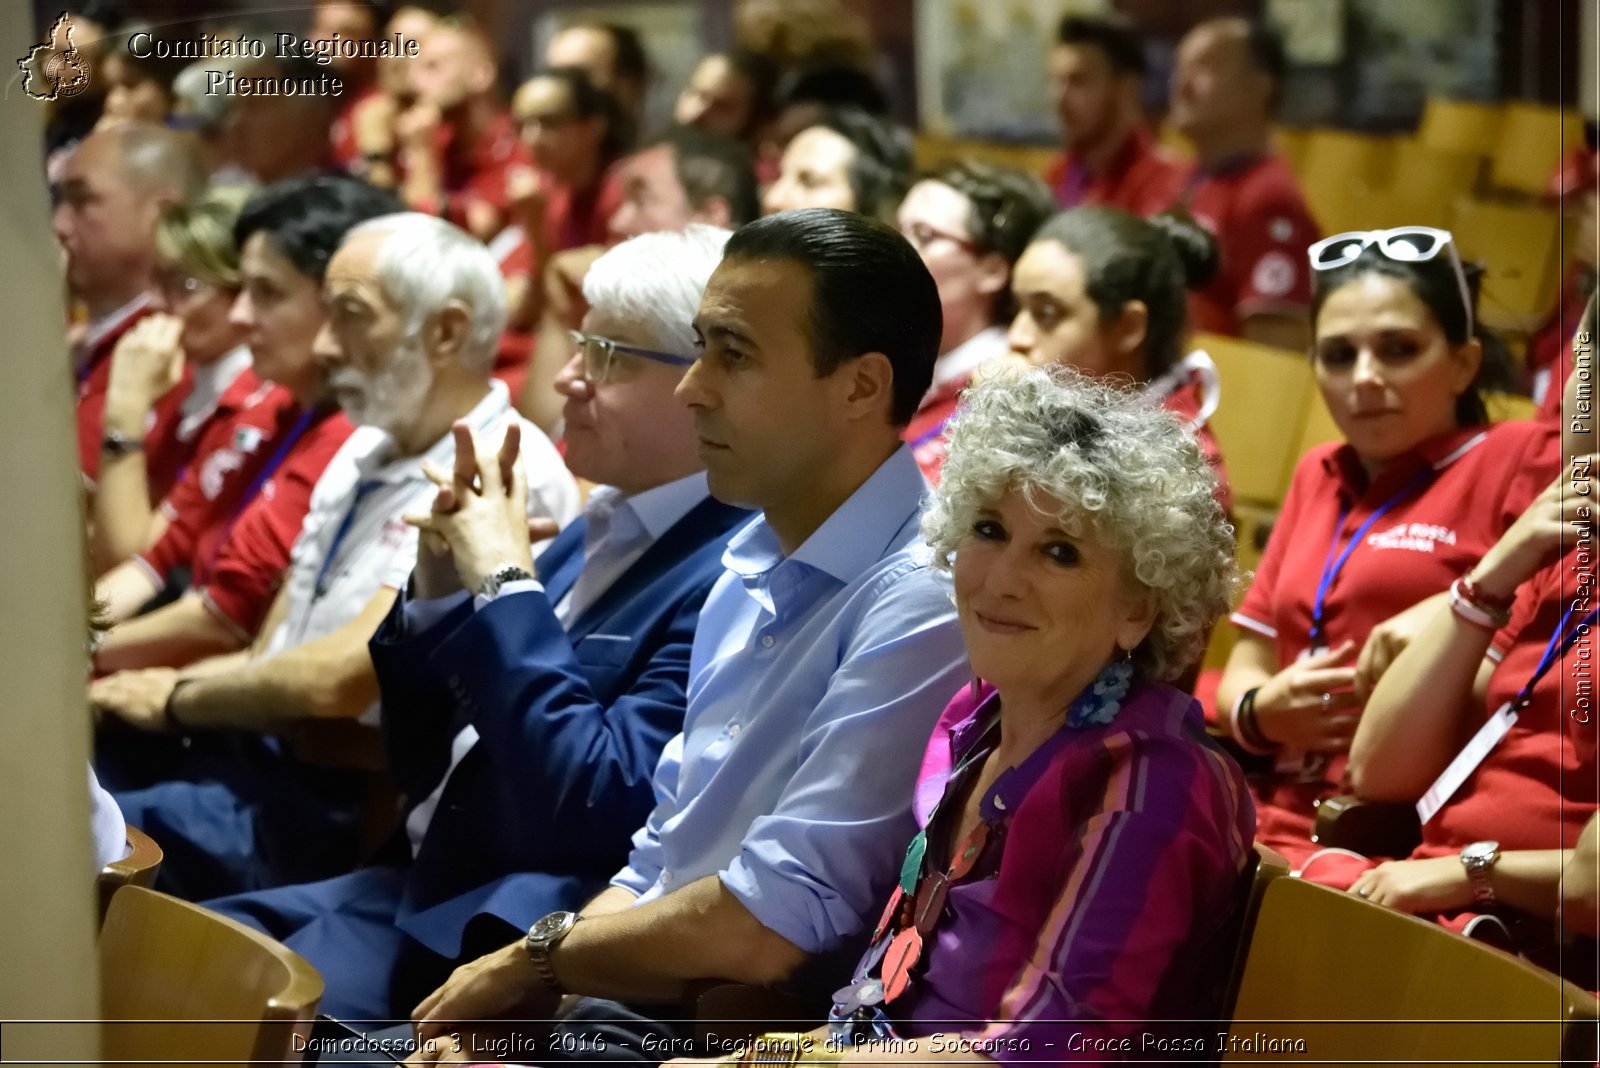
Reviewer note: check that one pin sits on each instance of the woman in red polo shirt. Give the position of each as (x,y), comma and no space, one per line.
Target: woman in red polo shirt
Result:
(1418,491)
(1508,663)
(1105,291)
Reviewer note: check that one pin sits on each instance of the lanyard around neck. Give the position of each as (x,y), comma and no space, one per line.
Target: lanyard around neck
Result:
(1336,558)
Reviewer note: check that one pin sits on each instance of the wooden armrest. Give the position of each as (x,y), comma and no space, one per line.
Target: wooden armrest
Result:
(138,868)
(1371,828)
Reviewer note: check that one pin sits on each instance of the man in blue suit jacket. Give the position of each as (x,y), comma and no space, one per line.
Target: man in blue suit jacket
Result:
(524,716)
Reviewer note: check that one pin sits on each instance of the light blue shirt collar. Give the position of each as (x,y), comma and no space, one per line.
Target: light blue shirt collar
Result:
(852,539)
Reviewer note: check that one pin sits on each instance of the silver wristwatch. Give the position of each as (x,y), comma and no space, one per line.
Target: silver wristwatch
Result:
(544,936)
(1478,858)
(510,573)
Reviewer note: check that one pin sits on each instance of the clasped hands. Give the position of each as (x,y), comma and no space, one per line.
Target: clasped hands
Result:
(479,520)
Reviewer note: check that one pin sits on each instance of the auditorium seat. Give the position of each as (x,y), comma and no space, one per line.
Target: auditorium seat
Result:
(1529,144)
(1520,247)
(1358,983)
(1260,415)
(1459,125)
(169,970)
(138,868)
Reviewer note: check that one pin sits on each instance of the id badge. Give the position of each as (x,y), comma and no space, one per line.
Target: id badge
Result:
(1466,762)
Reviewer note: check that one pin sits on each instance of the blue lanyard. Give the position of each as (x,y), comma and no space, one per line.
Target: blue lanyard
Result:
(1560,641)
(1331,566)
(349,520)
(266,472)
(928,435)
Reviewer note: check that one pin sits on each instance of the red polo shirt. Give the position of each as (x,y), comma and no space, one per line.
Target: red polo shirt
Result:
(1253,207)
(1478,481)
(1536,789)
(1140,178)
(165,453)
(343,150)
(246,569)
(482,171)
(252,418)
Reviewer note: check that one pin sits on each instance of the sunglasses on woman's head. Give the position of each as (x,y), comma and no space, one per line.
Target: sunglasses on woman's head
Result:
(1403,244)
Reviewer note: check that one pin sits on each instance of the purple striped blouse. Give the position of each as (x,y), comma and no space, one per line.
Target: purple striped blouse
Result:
(1119,861)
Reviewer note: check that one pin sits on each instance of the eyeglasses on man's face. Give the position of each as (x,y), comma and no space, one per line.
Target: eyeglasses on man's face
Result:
(599,353)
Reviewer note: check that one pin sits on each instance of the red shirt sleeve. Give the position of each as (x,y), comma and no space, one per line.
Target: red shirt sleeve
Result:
(1255,613)
(250,567)
(1266,253)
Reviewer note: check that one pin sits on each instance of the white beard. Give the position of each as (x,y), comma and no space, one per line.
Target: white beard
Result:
(392,397)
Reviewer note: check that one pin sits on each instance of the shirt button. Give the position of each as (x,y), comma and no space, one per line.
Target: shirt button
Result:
(733,731)
(666,878)
(767,641)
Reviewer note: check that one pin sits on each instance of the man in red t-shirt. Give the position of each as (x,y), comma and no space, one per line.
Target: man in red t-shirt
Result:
(1224,88)
(114,188)
(460,154)
(236,539)
(1096,67)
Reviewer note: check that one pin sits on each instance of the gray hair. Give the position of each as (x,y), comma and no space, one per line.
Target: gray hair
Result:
(424,263)
(656,280)
(1126,471)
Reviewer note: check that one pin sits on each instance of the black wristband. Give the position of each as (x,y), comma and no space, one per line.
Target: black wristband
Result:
(1249,728)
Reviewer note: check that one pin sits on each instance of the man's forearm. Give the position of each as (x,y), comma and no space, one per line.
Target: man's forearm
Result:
(652,951)
(178,634)
(611,899)
(329,678)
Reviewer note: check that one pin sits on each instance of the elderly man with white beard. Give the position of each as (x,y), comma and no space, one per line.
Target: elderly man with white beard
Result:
(415,309)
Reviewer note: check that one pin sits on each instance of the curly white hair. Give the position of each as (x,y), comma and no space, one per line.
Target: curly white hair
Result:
(1125,470)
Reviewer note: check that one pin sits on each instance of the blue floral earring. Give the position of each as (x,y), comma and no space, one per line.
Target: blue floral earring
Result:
(1100,702)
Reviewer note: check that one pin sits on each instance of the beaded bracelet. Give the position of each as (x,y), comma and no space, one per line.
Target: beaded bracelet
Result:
(1473,610)
(1244,728)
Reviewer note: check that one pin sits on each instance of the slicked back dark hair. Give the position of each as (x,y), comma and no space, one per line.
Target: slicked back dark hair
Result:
(869,293)
(711,166)
(306,218)
(1115,37)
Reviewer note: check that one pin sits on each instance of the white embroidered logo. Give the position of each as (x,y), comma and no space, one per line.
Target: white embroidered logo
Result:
(1417,537)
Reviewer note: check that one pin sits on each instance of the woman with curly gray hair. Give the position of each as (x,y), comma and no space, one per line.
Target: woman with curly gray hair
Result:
(1081,837)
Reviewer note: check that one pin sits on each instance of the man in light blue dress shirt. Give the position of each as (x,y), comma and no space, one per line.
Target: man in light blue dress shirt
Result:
(822,659)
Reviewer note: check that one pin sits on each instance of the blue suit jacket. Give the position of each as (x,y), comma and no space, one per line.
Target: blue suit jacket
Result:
(540,814)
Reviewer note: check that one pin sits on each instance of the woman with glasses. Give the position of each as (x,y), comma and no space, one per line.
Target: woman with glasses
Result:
(969,222)
(189,337)
(1374,529)
(575,132)
(1106,292)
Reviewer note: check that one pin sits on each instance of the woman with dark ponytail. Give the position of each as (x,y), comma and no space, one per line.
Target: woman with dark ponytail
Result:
(1374,529)
(1106,292)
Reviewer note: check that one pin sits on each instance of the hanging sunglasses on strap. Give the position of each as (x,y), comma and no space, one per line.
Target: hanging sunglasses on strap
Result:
(1403,244)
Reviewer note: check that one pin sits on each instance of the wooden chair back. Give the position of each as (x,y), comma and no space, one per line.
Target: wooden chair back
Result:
(1520,247)
(1359,983)
(1459,125)
(169,968)
(1529,145)
(1259,416)
(138,868)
